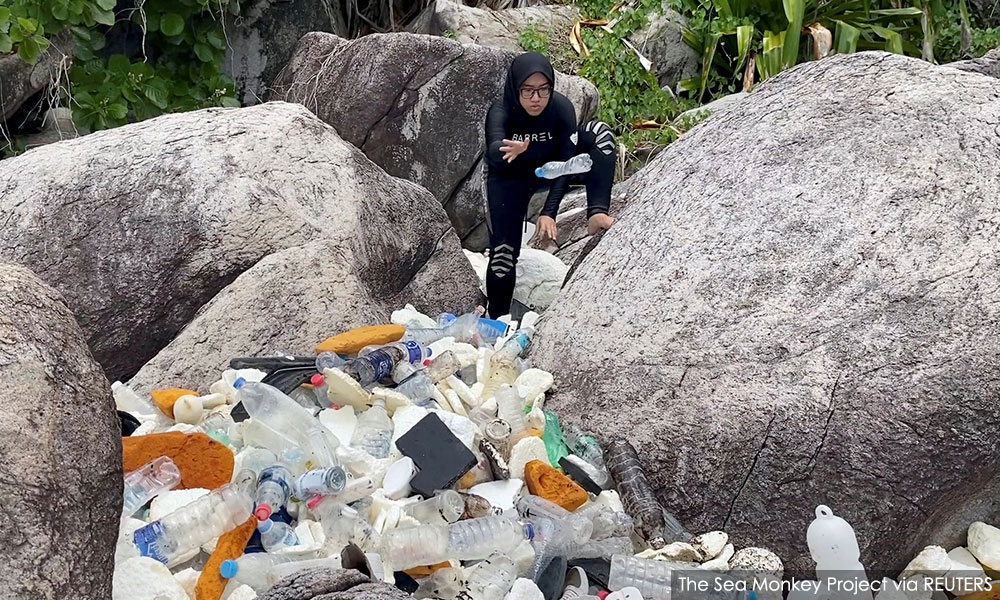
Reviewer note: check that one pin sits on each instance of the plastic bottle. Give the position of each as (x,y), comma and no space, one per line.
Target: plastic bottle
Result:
(320,482)
(342,525)
(465,540)
(503,368)
(194,524)
(510,408)
(581,163)
(323,447)
(834,546)
(497,431)
(555,537)
(603,549)
(419,388)
(490,330)
(267,405)
(276,535)
(370,368)
(253,569)
(443,366)
(274,486)
(444,508)
(329,360)
(607,522)
(147,482)
(373,432)
(218,422)
(653,580)
(464,329)
(126,399)
(258,459)
(655,524)
(443,584)
(578,528)
(492,578)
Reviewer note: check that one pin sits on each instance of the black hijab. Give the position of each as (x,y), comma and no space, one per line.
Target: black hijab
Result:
(523,67)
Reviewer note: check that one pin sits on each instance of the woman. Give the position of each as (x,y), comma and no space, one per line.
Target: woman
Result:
(527,127)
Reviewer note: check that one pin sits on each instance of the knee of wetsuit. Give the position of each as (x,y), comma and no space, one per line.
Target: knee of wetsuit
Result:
(502,260)
(603,138)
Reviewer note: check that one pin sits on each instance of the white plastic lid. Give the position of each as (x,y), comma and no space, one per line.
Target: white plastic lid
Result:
(396,482)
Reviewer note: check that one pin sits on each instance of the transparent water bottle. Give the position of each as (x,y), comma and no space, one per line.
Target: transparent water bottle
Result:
(443,366)
(194,524)
(253,569)
(473,539)
(490,330)
(371,368)
(329,360)
(492,578)
(320,482)
(444,508)
(510,408)
(575,528)
(581,163)
(653,580)
(268,405)
(275,536)
(464,329)
(323,447)
(274,486)
(419,388)
(651,520)
(373,432)
(443,584)
(414,546)
(147,482)
(503,367)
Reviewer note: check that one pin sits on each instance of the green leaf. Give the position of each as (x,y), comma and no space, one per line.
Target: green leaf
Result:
(81,33)
(215,38)
(157,93)
(203,52)
(29,50)
(171,24)
(60,12)
(706,65)
(16,35)
(118,110)
(76,7)
(846,38)
(118,63)
(893,41)
(794,12)
(4,14)
(744,36)
(107,4)
(27,25)
(230,102)
(104,17)
(5,44)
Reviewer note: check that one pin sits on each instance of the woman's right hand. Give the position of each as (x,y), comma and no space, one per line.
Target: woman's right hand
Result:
(511,149)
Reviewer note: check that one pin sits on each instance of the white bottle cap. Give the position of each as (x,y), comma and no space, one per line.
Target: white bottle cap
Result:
(396,482)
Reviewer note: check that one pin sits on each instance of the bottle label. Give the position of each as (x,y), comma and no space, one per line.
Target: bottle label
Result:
(274,474)
(381,363)
(414,352)
(314,483)
(148,540)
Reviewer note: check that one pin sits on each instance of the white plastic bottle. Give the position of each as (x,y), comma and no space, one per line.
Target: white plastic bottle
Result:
(147,482)
(492,578)
(373,433)
(270,406)
(473,539)
(581,163)
(510,408)
(253,569)
(834,546)
(194,524)
(275,535)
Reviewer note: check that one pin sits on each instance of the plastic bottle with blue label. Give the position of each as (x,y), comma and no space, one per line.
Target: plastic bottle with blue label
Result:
(192,525)
(274,487)
(275,535)
(581,163)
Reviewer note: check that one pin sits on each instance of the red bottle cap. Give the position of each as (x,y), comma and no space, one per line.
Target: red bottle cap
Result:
(263,512)
(317,380)
(603,594)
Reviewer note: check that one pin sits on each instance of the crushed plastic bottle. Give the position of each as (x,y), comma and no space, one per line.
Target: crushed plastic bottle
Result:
(492,578)
(581,163)
(503,368)
(147,482)
(442,509)
(656,525)
(373,433)
(194,524)
(653,580)
(465,540)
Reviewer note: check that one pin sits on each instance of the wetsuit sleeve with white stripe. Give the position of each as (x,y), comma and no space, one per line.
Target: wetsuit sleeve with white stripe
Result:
(565,127)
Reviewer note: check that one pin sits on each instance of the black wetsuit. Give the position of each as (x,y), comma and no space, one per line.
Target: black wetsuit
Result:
(508,187)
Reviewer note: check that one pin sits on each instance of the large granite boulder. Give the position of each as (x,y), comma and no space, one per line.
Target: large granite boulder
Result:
(140,226)
(416,105)
(495,28)
(800,305)
(661,40)
(297,297)
(22,80)
(261,40)
(987,64)
(60,447)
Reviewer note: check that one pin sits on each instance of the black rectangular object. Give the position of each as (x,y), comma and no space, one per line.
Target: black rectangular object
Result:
(441,457)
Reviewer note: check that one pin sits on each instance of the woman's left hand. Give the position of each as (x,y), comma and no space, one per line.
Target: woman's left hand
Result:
(546,228)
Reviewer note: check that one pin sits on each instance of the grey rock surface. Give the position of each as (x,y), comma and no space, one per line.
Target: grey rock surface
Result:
(138,227)
(415,105)
(60,447)
(312,583)
(987,64)
(495,28)
(661,41)
(261,40)
(20,80)
(801,305)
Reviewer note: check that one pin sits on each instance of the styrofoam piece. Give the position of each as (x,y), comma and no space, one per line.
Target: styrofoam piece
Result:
(501,494)
(168,502)
(340,422)
(143,577)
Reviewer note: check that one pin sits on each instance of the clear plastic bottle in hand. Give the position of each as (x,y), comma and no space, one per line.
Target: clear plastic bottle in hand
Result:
(581,163)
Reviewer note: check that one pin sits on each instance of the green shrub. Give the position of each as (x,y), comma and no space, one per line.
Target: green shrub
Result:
(534,41)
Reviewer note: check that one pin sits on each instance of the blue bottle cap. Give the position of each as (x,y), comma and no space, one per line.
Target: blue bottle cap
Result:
(239,382)
(264,526)
(228,568)
(529,531)
(538,172)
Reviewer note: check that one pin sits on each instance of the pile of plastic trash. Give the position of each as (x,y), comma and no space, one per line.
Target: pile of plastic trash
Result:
(418,452)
